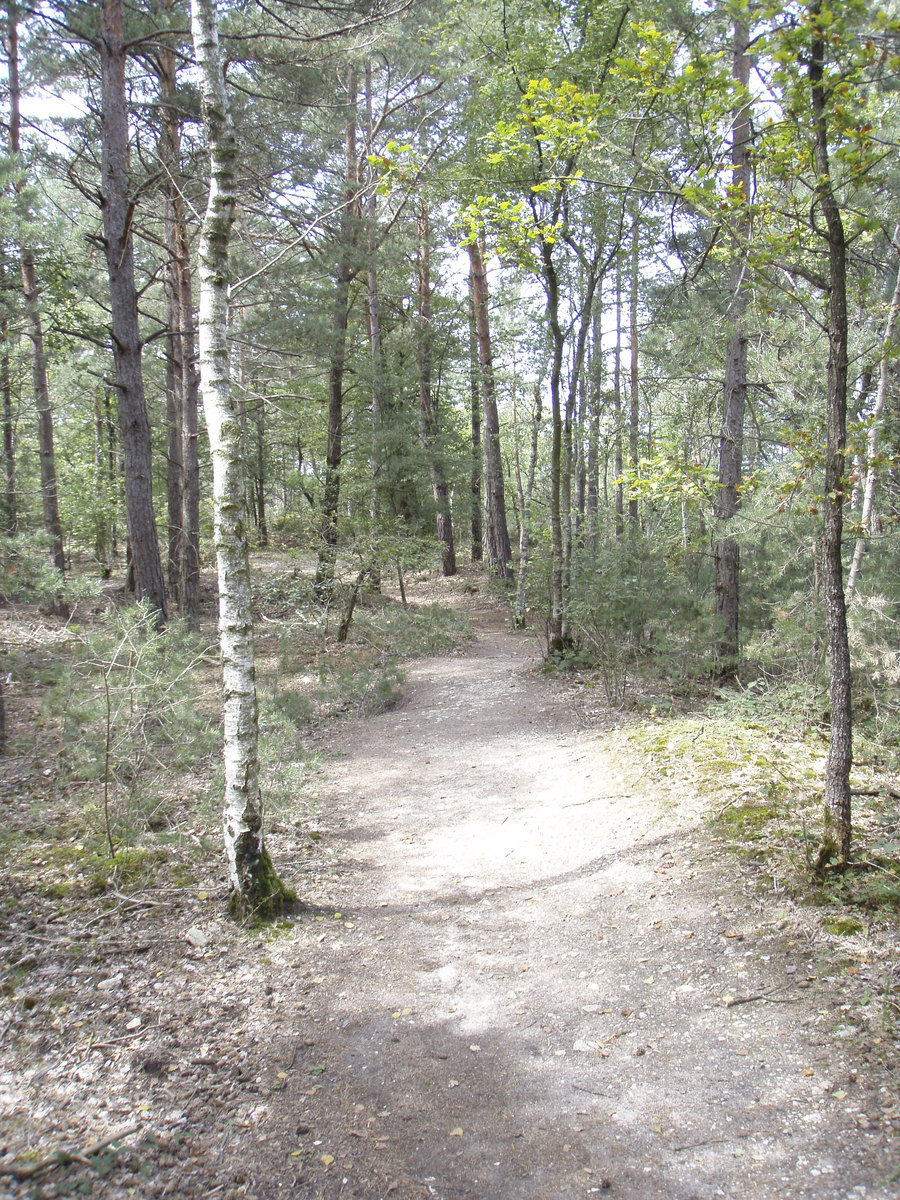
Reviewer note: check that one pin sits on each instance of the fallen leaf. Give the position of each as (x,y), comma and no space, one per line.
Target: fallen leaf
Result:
(281,1075)
(457,1132)
(326,1159)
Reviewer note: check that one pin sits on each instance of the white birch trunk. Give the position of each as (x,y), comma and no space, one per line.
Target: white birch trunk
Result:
(255,887)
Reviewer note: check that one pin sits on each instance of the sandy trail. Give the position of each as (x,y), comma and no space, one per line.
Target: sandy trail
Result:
(530,992)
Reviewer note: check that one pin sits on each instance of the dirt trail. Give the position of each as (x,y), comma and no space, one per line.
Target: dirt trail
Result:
(547,982)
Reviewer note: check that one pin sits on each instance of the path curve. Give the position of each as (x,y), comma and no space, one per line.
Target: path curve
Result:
(529,992)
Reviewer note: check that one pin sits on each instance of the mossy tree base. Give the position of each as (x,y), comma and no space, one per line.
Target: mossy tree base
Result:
(265,897)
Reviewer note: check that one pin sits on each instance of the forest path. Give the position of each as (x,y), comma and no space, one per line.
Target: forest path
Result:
(529,992)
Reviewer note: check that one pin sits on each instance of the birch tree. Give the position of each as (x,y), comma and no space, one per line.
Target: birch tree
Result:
(256,889)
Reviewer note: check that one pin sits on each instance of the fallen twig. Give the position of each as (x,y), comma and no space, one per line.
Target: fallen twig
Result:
(733,1003)
(61,1157)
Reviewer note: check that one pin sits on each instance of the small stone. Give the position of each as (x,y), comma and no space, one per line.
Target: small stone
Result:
(197,937)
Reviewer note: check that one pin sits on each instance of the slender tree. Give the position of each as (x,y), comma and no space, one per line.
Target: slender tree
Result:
(731,440)
(496,533)
(49,495)
(255,887)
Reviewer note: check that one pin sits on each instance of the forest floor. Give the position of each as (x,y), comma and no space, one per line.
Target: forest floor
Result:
(526,968)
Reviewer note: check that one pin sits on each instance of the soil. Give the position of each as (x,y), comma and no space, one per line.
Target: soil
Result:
(525,969)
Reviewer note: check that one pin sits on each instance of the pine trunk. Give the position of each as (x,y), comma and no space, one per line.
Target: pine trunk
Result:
(429,434)
(499,554)
(49,497)
(10,518)
(325,567)
(731,440)
(840,749)
(118,213)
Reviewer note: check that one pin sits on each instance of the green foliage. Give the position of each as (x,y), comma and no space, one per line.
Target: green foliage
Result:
(133,717)
(27,576)
(632,600)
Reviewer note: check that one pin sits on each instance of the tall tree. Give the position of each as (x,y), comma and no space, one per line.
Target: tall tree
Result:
(731,440)
(496,532)
(49,495)
(429,432)
(118,202)
(345,270)
(256,890)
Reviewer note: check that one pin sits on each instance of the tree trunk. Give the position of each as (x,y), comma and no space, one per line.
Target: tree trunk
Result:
(475,487)
(118,211)
(428,429)
(375,347)
(618,464)
(871,479)
(634,416)
(49,498)
(190,439)
(840,749)
(499,554)
(592,485)
(556,641)
(325,567)
(262,528)
(10,518)
(255,888)
(570,443)
(731,439)
(526,494)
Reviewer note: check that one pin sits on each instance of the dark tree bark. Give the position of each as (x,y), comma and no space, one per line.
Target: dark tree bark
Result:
(10,518)
(556,639)
(429,434)
(731,440)
(376,355)
(499,554)
(618,464)
(52,523)
(475,487)
(324,581)
(592,482)
(634,413)
(840,749)
(117,206)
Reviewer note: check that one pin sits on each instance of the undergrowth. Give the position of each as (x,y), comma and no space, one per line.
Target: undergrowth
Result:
(764,784)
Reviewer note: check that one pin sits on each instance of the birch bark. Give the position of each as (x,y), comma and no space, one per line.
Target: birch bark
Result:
(255,888)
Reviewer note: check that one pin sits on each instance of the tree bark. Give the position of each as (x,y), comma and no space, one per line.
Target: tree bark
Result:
(10,517)
(475,486)
(117,207)
(871,479)
(592,483)
(325,567)
(731,438)
(840,748)
(499,554)
(526,494)
(618,463)
(183,489)
(634,414)
(556,641)
(255,888)
(429,436)
(49,496)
